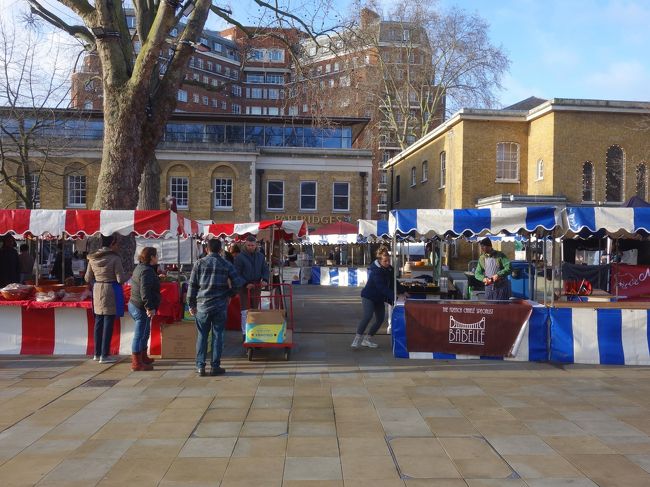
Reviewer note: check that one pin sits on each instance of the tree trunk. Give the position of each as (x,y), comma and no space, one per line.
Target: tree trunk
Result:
(150,185)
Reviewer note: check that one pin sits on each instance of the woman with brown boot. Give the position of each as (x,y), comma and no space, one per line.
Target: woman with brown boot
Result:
(145,300)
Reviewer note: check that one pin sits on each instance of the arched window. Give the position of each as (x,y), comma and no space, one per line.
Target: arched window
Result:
(425,171)
(588,181)
(642,180)
(507,162)
(443,169)
(614,174)
(413,176)
(540,169)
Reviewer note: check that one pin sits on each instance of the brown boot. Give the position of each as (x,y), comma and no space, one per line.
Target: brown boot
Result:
(137,365)
(145,358)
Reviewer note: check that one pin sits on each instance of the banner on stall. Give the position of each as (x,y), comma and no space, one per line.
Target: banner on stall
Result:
(632,281)
(466,327)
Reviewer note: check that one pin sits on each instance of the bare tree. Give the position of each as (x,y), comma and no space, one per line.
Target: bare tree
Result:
(134,119)
(33,127)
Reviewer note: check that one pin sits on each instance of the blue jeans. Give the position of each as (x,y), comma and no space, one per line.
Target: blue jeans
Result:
(215,321)
(142,328)
(371,308)
(103,334)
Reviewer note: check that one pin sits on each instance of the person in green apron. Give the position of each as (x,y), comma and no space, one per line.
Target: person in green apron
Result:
(493,270)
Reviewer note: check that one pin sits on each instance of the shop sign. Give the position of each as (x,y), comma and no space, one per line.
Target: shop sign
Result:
(315,219)
(466,327)
(632,281)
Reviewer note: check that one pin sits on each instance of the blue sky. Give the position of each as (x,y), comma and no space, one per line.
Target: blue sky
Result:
(558,48)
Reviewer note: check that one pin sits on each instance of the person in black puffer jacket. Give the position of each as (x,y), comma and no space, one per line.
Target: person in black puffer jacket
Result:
(145,300)
(377,291)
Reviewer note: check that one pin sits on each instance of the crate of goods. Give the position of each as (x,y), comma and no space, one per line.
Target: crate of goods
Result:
(266,326)
(178,340)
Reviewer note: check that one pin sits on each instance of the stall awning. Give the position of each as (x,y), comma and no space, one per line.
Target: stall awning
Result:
(84,223)
(373,228)
(614,221)
(287,228)
(333,234)
(468,222)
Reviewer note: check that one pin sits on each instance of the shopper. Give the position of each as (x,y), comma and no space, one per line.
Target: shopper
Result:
(212,282)
(232,252)
(144,302)
(9,262)
(106,274)
(493,269)
(252,266)
(377,291)
(26,262)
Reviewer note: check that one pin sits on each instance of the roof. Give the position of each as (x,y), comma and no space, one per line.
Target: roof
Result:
(527,104)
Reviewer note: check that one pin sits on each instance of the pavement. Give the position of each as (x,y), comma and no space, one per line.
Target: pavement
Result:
(330,417)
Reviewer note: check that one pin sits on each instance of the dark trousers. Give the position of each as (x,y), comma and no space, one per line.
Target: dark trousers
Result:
(214,321)
(103,334)
(371,308)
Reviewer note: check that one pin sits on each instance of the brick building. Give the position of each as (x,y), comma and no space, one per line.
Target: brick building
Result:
(227,168)
(538,151)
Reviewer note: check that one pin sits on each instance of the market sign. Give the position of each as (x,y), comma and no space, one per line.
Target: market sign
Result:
(632,281)
(466,327)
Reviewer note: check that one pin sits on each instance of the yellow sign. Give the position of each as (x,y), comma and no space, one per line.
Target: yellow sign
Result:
(265,333)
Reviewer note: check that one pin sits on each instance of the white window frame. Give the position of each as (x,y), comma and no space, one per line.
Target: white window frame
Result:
(334,196)
(206,100)
(414,177)
(539,170)
(236,108)
(502,160)
(443,170)
(77,191)
(182,96)
(217,206)
(173,182)
(196,98)
(276,55)
(268,194)
(256,93)
(315,195)
(273,94)
(36,190)
(236,90)
(425,171)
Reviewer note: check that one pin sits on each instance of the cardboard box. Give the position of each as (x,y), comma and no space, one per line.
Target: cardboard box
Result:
(178,340)
(265,326)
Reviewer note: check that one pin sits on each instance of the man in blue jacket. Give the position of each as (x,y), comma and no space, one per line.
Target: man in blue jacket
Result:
(252,266)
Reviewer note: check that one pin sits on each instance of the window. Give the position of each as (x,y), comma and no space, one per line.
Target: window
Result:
(336,67)
(276,79)
(254,110)
(413,176)
(236,108)
(217,68)
(443,169)
(406,35)
(199,63)
(256,92)
(196,98)
(540,169)
(130,22)
(182,95)
(276,55)
(88,105)
(223,193)
(179,188)
(36,191)
(196,76)
(642,180)
(224,105)
(215,103)
(588,181)
(331,83)
(206,80)
(397,188)
(257,55)
(328,68)
(174,32)
(614,171)
(236,90)
(76,191)
(204,41)
(274,94)
(341,192)
(206,101)
(507,162)
(293,111)
(227,72)
(210,66)
(425,171)
(273,111)
(255,78)
(305,108)
(275,195)
(307,195)
(216,47)
(215,82)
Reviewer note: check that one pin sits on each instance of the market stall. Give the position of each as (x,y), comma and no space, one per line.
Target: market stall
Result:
(66,327)
(270,231)
(592,326)
(443,328)
(335,263)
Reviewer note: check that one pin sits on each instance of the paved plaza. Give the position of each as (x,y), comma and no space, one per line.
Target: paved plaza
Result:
(330,417)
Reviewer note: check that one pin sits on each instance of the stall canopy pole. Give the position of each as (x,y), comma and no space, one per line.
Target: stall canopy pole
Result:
(394,255)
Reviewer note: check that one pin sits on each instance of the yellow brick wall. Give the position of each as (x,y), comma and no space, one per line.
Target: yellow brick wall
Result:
(540,146)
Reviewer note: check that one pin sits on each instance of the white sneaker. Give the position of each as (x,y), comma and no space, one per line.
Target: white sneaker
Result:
(356,342)
(95,358)
(368,343)
(107,360)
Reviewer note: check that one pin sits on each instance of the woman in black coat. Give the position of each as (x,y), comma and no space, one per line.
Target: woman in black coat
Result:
(144,302)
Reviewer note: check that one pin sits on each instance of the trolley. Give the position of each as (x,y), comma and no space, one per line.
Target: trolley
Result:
(274,297)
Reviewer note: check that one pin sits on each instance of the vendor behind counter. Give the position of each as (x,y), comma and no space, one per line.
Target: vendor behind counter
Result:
(493,269)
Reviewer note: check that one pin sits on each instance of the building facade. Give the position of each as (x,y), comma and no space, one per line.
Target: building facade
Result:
(227,168)
(580,151)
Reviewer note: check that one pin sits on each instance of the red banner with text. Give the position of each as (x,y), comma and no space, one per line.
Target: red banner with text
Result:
(632,281)
(466,327)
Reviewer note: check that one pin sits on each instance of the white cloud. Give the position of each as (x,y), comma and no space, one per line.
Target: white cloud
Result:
(623,80)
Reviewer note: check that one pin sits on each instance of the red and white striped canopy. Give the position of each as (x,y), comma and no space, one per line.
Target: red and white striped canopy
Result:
(84,223)
(286,228)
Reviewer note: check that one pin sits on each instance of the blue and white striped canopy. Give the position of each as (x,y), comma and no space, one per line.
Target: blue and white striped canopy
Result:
(468,222)
(613,221)
(373,228)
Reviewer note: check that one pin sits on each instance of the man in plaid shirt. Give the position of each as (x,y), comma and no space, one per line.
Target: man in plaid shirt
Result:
(212,282)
